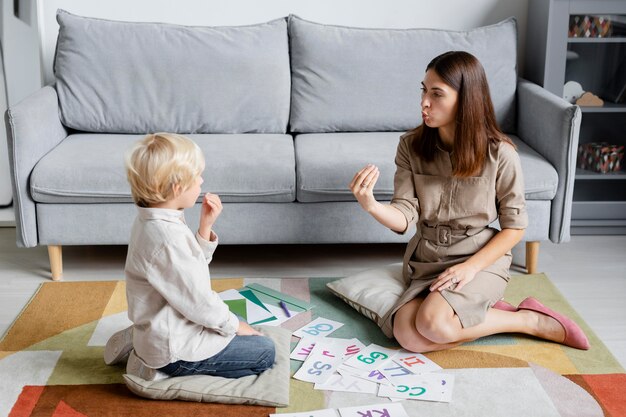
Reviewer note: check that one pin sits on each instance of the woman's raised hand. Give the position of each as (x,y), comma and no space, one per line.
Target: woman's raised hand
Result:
(362,186)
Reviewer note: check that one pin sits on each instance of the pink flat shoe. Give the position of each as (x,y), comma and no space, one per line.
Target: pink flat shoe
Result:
(574,335)
(504,306)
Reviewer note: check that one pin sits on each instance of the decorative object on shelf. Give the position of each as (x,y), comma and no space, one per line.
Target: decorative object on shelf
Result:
(600,157)
(572,91)
(575,94)
(590,100)
(615,90)
(590,26)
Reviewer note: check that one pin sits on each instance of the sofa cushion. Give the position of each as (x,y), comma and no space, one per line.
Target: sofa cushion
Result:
(123,77)
(89,168)
(540,177)
(354,79)
(327,162)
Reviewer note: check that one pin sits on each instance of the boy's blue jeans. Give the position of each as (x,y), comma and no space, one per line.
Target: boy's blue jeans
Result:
(244,355)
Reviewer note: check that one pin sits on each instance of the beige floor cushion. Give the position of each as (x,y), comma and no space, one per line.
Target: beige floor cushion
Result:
(372,292)
(271,388)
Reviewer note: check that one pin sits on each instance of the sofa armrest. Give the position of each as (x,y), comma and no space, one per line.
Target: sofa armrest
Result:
(550,125)
(33,129)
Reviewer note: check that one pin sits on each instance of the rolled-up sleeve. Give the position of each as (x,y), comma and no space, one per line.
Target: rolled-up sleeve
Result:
(208,246)
(510,199)
(404,198)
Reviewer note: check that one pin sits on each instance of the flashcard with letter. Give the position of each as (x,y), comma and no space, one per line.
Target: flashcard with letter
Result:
(415,362)
(348,383)
(302,349)
(321,363)
(373,376)
(430,386)
(376,410)
(320,327)
(394,373)
(371,358)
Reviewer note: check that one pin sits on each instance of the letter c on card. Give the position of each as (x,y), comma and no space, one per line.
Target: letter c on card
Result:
(420,389)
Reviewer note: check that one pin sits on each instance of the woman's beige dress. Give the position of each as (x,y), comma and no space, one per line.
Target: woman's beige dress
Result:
(452,217)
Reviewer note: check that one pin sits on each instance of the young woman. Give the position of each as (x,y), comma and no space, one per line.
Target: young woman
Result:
(457,173)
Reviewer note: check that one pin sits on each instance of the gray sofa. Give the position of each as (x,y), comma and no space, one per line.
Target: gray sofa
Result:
(285,111)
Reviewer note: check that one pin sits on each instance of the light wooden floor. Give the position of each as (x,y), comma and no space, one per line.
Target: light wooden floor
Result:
(590,271)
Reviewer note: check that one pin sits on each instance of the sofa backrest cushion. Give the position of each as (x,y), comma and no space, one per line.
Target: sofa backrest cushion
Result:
(353,79)
(123,77)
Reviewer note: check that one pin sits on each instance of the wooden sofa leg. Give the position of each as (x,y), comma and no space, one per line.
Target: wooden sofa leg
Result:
(532,256)
(56,261)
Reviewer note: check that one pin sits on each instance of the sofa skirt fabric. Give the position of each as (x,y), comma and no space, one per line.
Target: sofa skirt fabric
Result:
(244,223)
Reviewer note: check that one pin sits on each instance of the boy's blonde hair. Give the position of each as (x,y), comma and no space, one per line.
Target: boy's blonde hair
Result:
(158,162)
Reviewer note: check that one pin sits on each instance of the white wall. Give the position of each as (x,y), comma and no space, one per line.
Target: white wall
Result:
(445,14)
(22,68)
(20,42)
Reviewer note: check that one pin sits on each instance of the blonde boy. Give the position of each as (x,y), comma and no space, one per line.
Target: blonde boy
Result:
(180,325)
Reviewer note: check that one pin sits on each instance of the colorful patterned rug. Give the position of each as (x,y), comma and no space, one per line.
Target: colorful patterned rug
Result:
(51,361)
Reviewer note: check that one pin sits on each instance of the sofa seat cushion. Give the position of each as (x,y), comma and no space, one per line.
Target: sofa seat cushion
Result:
(540,177)
(327,162)
(89,168)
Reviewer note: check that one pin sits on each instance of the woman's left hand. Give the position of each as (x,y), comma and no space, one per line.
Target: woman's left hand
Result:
(459,275)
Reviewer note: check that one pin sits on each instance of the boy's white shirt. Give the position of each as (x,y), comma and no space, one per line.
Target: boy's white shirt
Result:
(176,314)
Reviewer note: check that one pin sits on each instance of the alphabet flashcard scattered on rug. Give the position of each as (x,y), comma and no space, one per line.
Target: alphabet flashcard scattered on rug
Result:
(305,346)
(374,376)
(335,364)
(394,373)
(377,410)
(371,358)
(349,346)
(432,386)
(415,362)
(320,327)
(321,362)
(347,383)
(302,349)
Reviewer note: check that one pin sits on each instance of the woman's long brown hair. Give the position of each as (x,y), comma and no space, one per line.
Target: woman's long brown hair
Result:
(475,118)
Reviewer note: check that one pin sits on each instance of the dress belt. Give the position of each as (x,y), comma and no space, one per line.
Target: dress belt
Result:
(444,235)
